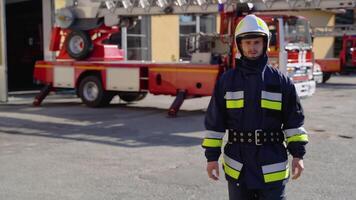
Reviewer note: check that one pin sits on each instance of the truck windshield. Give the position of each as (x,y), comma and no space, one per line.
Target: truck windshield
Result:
(297,33)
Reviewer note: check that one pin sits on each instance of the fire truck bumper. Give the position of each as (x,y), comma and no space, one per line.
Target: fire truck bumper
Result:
(318,77)
(305,89)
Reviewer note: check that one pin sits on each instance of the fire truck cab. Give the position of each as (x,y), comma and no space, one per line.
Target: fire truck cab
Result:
(346,61)
(290,46)
(348,52)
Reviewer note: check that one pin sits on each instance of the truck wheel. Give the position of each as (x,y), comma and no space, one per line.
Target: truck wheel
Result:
(326,76)
(92,92)
(132,96)
(78,44)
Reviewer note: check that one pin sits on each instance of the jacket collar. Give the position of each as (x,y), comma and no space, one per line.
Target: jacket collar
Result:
(248,66)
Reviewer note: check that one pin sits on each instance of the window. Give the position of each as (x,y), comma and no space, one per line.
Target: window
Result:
(138,41)
(274,36)
(297,33)
(193,24)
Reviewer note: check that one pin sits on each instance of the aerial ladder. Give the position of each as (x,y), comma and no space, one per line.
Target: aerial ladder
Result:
(87,63)
(111,10)
(334,31)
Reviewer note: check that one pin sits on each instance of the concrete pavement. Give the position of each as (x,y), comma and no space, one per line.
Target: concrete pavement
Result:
(64,150)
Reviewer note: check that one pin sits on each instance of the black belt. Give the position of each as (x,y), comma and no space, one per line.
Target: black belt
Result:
(257,137)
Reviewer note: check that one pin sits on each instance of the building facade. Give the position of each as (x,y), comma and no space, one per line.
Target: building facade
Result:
(3,67)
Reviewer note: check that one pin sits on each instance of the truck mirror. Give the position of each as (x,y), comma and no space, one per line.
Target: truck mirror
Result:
(292,21)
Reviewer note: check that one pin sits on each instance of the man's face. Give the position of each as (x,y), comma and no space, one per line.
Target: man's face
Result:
(252,48)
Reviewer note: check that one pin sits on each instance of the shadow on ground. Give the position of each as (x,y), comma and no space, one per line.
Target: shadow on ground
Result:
(117,124)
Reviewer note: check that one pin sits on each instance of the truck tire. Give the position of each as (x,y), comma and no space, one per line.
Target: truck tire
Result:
(92,93)
(132,96)
(78,44)
(326,76)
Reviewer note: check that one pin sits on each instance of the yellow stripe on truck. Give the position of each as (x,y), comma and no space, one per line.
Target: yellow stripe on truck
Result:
(213,71)
(91,67)
(43,66)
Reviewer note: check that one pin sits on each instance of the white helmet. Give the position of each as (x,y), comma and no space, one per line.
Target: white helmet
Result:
(251,27)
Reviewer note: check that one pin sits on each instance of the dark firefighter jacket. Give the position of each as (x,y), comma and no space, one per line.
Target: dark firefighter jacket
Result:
(250,97)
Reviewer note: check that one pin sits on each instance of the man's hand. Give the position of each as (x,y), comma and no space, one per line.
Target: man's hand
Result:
(297,168)
(213,170)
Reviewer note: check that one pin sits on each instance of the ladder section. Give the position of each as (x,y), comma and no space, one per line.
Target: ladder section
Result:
(334,31)
(102,8)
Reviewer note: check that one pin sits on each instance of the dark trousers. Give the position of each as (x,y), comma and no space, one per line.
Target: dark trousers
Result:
(240,192)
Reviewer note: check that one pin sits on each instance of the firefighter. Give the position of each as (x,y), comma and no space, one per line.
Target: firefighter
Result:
(260,110)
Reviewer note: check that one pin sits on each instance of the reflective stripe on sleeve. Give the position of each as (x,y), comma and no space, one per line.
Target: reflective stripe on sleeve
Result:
(235,103)
(271,104)
(234,95)
(231,167)
(294,131)
(271,96)
(275,167)
(214,134)
(207,142)
(298,138)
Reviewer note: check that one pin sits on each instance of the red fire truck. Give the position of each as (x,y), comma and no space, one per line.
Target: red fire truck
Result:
(346,61)
(90,60)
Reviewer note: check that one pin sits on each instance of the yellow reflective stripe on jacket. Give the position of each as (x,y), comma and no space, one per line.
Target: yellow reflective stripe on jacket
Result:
(275,172)
(235,103)
(231,172)
(207,142)
(271,105)
(271,96)
(232,163)
(234,95)
(232,167)
(276,167)
(277,176)
(298,138)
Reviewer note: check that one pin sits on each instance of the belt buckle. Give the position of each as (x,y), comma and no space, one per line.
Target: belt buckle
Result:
(257,134)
